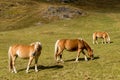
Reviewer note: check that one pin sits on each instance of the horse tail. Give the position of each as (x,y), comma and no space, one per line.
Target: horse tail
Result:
(94,37)
(10,59)
(108,38)
(56,49)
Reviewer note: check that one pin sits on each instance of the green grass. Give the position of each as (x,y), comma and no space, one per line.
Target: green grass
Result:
(105,66)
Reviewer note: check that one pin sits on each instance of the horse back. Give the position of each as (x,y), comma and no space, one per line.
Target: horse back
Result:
(70,44)
(100,34)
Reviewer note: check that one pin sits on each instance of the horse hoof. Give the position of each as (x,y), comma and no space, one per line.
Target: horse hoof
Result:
(61,61)
(36,70)
(76,61)
(86,59)
(13,71)
(27,72)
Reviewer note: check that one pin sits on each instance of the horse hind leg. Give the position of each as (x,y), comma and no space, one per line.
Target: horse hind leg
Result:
(61,60)
(59,55)
(95,40)
(13,64)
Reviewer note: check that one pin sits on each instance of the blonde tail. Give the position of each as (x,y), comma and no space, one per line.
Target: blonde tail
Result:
(108,38)
(56,49)
(10,59)
(93,38)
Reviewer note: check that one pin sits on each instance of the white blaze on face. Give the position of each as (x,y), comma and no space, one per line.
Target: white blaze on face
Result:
(37,44)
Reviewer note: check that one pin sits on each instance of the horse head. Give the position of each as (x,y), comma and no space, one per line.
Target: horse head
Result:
(91,54)
(37,46)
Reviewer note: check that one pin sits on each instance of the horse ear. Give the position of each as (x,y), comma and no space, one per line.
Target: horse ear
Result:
(32,44)
(80,38)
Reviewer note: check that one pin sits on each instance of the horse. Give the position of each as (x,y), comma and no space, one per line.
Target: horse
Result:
(72,45)
(30,52)
(104,35)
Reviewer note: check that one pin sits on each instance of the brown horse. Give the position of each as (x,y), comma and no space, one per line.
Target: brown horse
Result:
(72,45)
(24,51)
(103,35)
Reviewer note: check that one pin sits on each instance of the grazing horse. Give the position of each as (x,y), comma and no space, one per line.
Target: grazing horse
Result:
(24,51)
(103,35)
(72,45)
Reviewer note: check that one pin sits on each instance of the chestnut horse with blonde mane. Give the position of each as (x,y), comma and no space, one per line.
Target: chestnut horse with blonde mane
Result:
(24,51)
(104,35)
(72,45)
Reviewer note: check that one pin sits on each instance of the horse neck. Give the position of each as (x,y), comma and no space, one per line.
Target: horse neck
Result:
(87,47)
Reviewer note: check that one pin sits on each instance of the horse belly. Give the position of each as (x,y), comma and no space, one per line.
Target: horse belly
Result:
(23,54)
(75,48)
(71,45)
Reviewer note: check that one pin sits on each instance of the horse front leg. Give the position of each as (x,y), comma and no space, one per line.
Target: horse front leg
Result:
(105,40)
(29,63)
(36,61)
(85,56)
(78,54)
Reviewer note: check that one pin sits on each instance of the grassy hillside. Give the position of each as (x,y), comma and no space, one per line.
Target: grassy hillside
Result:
(16,14)
(105,66)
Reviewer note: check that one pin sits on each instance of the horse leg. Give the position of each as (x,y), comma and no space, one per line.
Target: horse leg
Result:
(85,56)
(96,41)
(13,64)
(93,38)
(36,61)
(29,63)
(104,40)
(61,58)
(59,55)
(78,54)
(93,41)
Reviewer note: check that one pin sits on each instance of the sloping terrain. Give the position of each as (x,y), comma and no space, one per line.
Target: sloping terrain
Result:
(21,22)
(16,14)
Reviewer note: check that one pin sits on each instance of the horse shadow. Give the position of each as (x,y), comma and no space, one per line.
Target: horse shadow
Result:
(41,67)
(82,59)
(111,42)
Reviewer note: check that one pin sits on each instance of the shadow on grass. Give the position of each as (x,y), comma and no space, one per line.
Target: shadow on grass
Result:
(82,59)
(50,67)
(41,67)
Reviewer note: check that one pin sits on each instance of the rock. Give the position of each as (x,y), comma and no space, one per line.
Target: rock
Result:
(61,12)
